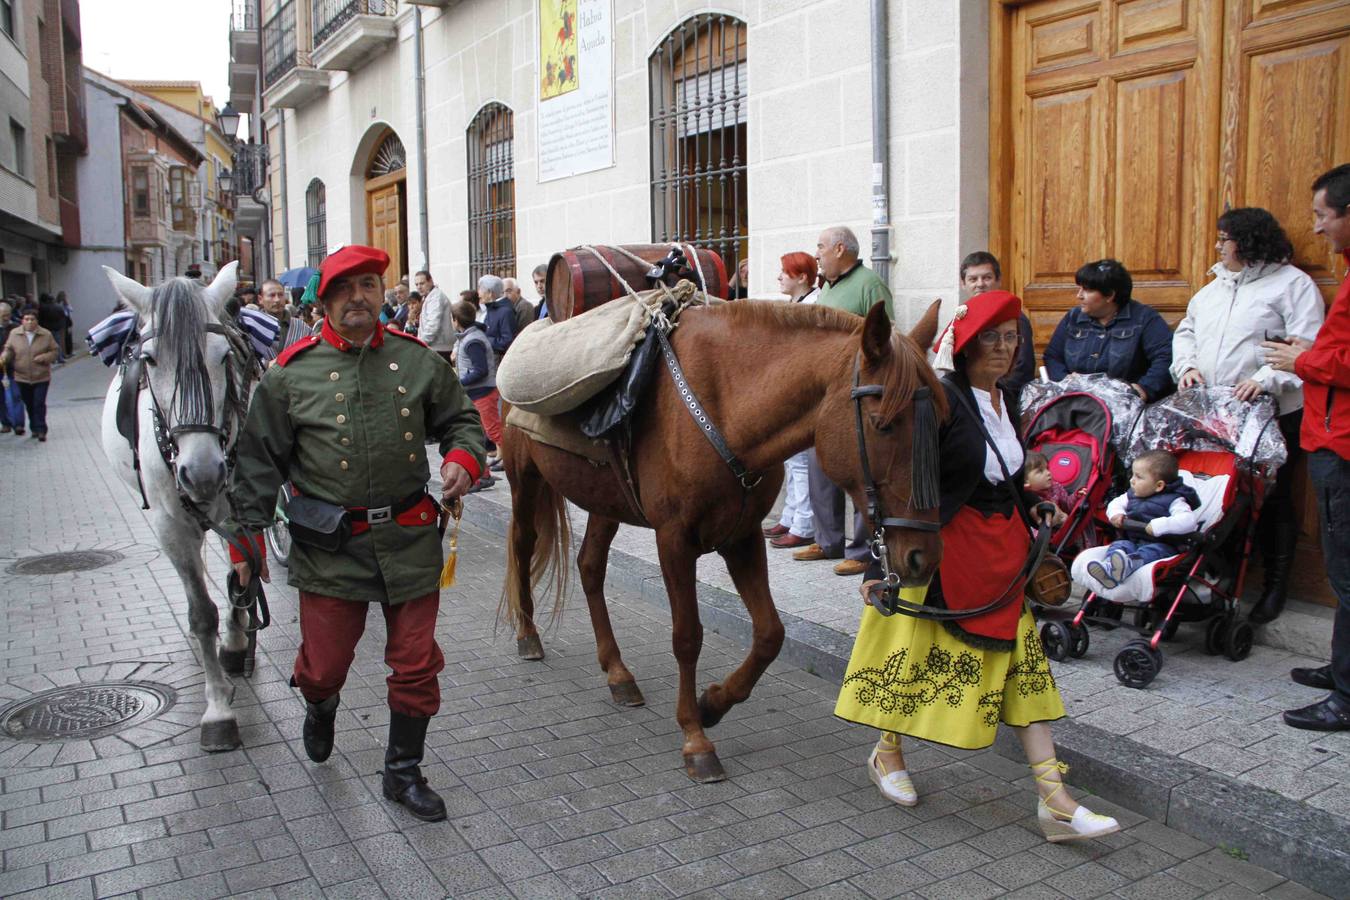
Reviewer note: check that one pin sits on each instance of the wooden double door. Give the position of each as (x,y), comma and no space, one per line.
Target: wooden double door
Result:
(387,222)
(1123,128)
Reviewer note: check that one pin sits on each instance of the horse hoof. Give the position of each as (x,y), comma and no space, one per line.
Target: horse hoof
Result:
(626,693)
(218,737)
(705,768)
(234,662)
(707,716)
(529,647)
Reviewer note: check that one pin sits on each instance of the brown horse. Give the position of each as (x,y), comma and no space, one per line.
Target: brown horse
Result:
(775,378)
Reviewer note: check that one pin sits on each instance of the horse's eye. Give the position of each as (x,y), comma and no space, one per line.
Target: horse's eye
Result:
(149,360)
(882,429)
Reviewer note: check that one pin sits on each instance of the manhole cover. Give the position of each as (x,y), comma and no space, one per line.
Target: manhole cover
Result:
(56,563)
(84,711)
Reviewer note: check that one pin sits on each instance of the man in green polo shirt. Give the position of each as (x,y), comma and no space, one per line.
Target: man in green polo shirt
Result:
(849,285)
(852,287)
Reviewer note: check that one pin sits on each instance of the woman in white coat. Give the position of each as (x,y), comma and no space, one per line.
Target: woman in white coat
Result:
(1256,295)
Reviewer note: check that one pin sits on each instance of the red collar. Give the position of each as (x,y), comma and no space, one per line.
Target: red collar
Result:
(340,342)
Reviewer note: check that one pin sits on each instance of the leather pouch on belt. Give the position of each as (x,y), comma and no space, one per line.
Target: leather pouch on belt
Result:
(319,524)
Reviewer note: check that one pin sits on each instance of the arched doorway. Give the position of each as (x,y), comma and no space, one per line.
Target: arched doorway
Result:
(387,204)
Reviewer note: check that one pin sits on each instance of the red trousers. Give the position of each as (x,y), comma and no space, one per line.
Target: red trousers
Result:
(489,410)
(330,628)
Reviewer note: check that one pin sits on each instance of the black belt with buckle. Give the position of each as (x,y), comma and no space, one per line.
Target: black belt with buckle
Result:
(377,515)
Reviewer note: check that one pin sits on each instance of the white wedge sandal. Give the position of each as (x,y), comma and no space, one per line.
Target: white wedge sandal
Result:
(1058,826)
(896,787)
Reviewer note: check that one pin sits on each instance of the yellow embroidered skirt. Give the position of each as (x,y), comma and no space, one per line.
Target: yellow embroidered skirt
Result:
(913,677)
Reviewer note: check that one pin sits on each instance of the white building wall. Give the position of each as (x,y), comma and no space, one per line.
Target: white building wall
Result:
(102,226)
(809,134)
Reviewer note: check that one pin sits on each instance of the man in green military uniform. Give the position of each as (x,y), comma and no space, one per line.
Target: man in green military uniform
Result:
(849,285)
(344,417)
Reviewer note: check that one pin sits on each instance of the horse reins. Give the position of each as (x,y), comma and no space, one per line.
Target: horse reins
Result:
(884,596)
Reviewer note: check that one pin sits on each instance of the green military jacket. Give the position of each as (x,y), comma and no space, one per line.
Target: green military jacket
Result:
(857,291)
(349,424)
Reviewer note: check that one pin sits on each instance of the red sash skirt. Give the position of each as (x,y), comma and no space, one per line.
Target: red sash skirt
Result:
(981,558)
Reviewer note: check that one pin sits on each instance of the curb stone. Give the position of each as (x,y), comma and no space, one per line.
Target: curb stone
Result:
(1297,840)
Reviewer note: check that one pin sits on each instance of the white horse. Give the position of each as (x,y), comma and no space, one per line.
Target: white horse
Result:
(188,411)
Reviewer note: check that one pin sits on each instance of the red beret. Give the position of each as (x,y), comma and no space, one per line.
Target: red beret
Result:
(354,259)
(981,312)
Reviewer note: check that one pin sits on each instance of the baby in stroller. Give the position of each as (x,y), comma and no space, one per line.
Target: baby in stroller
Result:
(1158,503)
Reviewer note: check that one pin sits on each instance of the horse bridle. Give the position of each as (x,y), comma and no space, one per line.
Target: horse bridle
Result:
(248,599)
(876,512)
(166,438)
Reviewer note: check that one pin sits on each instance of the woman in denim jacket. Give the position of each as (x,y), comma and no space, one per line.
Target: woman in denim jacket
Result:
(1112,334)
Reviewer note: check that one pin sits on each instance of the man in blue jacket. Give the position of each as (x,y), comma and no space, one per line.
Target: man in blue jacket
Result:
(500,321)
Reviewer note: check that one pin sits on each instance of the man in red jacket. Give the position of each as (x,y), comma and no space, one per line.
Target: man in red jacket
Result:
(1324,367)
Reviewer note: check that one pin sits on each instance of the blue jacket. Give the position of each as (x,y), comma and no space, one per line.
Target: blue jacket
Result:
(1135,347)
(500,324)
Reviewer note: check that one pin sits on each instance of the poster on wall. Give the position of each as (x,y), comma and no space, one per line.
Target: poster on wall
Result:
(575,102)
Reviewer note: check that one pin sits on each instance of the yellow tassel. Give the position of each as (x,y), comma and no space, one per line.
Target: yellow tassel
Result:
(452,554)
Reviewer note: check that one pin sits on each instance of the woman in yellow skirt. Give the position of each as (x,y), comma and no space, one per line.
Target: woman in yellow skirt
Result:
(953,681)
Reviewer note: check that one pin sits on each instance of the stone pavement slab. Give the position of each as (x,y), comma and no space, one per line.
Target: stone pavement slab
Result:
(553,791)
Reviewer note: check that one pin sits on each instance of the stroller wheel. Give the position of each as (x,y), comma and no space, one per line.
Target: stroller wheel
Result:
(1057,639)
(1080,640)
(1137,664)
(1237,640)
(1214,635)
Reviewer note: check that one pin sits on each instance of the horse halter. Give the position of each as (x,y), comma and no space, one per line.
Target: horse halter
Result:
(166,438)
(924,494)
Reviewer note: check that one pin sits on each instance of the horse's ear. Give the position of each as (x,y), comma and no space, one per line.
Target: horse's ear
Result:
(135,295)
(222,287)
(925,332)
(876,335)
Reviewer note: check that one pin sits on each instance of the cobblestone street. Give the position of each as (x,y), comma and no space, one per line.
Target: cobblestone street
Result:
(552,790)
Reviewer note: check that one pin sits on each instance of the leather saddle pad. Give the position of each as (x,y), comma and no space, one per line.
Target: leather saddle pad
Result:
(562,432)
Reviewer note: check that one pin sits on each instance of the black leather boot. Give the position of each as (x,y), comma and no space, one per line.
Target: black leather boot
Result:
(403,781)
(318,731)
(1277,567)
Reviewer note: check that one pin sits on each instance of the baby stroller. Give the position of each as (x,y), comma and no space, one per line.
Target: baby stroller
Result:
(1073,432)
(1202,582)
(1227,451)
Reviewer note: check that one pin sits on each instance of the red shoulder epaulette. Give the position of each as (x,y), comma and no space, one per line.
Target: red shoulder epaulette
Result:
(389,329)
(297,348)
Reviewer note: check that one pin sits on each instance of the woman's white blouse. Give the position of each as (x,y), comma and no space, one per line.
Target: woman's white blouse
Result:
(1001,429)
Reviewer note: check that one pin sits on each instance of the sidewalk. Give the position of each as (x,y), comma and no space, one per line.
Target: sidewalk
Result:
(1206,732)
(553,792)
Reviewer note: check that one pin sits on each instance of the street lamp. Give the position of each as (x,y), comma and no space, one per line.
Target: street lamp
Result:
(229,120)
(225,180)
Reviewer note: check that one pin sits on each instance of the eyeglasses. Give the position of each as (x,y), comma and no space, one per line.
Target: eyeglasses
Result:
(994,338)
(1223,238)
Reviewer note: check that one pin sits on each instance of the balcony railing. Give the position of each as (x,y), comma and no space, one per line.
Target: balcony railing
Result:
(245,16)
(250,169)
(330,15)
(280,53)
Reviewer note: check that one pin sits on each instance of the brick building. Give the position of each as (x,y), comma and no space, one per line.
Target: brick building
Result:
(44,133)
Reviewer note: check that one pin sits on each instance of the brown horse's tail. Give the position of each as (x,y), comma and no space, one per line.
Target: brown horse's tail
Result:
(544,511)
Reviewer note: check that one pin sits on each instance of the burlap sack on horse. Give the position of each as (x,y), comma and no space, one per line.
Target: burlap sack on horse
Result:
(554,367)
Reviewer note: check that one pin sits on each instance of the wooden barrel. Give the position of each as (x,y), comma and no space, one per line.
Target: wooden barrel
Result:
(577,281)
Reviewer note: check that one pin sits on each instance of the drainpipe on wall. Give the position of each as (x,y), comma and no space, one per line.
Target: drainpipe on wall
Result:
(881,201)
(423,223)
(285,198)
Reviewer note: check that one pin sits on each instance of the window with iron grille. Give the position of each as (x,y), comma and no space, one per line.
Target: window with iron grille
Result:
(316,222)
(492,193)
(698,132)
